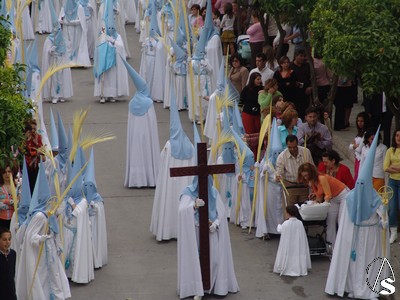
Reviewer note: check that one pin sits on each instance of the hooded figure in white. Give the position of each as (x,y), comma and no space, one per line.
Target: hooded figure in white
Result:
(267,222)
(59,86)
(222,273)
(96,214)
(177,152)
(49,280)
(111,78)
(142,147)
(72,16)
(359,240)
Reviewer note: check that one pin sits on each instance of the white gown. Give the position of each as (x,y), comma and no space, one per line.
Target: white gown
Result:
(113,82)
(157,90)
(75,37)
(222,273)
(142,150)
(268,223)
(99,234)
(293,256)
(227,190)
(130,9)
(210,126)
(346,275)
(27,27)
(50,275)
(41,17)
(147,61)
(60,84)
(164,218)
(78,246)
(214,57)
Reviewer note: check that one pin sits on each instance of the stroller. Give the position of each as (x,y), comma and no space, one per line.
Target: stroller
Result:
(243,49)
(313,217)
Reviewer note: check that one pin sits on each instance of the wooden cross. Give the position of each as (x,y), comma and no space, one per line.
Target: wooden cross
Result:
(202,170)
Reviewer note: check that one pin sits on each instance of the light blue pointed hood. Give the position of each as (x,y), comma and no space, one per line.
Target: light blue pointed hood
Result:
(70,141)
(11,18)
(192,190)
(3,9)
(41,194)
(76,191)
(364,200)
(33,64)
(154,31)
(275,144)
(53,132)
(108,19)
(181,147)
(71,9)
(228,152)
(181,38)
(200,50)
(62,143)
(82,160)
(84,4)
(221,79)
(141,101)
(237,119)
(89,183)
(179,53)
(23,205)
(208,22)
(56,36)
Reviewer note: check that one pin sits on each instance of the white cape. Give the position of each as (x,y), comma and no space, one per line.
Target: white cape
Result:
(142,150)
(222,273)
(293,256)
(164,218)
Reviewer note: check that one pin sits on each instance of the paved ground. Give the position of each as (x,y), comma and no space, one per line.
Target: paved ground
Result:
(140,268)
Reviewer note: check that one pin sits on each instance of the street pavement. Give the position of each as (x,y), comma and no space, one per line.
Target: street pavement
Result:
(139,267)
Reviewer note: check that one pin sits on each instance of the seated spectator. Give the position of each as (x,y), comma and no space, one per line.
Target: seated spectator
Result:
(331,165)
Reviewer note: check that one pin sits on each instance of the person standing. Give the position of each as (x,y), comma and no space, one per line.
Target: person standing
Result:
(286,79)
(391,165)
(261,67)
(238,74)
(287,165)
(228,36)
(314,135)
(7,266)
(256,38)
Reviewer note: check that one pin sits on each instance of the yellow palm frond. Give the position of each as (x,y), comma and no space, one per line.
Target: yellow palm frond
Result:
(14,197)
(50,72)
(78,119)
(93,138)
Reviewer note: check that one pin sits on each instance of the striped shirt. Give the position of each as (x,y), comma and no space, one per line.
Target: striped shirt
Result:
(287,165)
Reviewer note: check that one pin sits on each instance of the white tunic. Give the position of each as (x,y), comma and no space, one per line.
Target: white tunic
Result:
(164,218)
(59,85)
(75,37)
(158,80)
(142,150)
(27,27)
(346,275)
(214,56)
(222,273)
(41,17)
(99,234)
(293,256)
(78,246)
(50,276)
(113,82)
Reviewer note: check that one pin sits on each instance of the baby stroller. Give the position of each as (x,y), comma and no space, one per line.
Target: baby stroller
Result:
(243,49)
(313,217)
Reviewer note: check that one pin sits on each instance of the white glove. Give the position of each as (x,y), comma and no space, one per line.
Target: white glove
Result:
(92,203)
(70,201)
(279,228)
(199,203)
(45,237)
(214,226)
(52,50)
(110,39)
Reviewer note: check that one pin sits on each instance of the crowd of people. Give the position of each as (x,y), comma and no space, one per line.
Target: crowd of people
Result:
(256,115)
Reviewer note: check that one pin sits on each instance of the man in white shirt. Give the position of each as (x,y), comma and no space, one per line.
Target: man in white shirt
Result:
(287,165)
(261,63)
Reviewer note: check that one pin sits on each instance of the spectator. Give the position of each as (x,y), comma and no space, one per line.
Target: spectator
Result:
(216,16)
(303,87)
(331,165)
(256,38)
(272,29)
(289,121)
(265,96)
(314,135)
(286,79)
(7,266)
(323,78)
(285,46)
(238,74)
(228,36)
(6,199)
(272,64)
(278,103)
(195,19)
(345,97)
(261,63)
(220,5)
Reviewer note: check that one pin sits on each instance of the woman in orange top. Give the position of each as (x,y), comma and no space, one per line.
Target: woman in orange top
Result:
(6,201)
(325,188)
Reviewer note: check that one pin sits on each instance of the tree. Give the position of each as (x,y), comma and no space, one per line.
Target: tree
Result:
(14,107)
(361,37)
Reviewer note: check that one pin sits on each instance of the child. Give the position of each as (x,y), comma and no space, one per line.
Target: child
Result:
(293,257)
(378,174)
(216,16)
(195,19)
(228,36)
(265,96)
(362,123)
(7,266)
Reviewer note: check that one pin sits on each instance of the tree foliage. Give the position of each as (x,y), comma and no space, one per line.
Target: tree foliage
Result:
(14,107)
(362,37)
